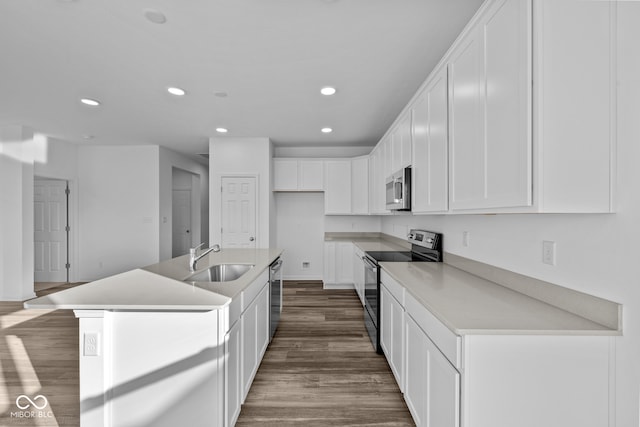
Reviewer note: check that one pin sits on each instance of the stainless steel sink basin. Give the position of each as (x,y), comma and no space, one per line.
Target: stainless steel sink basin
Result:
(220,273)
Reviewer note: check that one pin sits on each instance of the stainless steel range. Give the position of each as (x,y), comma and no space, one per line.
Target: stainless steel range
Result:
(426,246)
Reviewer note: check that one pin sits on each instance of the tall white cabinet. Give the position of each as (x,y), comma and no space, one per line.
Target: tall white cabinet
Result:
(430,188)
(490,110)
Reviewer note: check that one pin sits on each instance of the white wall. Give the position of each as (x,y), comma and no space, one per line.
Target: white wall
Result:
(596,254)
(119,200)
(168,161)
(300,232)
(352,223)
(17,156)
(248,157)
(320,152)
(58,159)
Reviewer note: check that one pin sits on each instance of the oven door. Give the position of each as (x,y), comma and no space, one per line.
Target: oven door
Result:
(371,295)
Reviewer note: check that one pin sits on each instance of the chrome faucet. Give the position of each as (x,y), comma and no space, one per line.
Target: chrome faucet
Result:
(193,258)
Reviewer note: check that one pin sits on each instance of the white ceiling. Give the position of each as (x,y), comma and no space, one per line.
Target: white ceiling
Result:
(271,57)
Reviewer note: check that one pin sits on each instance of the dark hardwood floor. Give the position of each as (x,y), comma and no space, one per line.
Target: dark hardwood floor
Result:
(320,369)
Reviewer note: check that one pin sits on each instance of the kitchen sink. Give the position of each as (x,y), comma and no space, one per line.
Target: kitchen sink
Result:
(220,273)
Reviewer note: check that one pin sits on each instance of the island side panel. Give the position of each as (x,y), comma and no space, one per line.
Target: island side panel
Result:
(93,408)
(155,368)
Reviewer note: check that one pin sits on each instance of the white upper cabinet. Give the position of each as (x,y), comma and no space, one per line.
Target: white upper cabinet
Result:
(337,197)
(298,175)
(574,109)
(430,189)
(531,114)
(490,104)
(360,185)
(400,142)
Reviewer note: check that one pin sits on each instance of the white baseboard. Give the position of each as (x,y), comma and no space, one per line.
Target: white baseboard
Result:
(301,277)
(338,286)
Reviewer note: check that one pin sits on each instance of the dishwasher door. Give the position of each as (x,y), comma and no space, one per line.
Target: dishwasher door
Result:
(275,296)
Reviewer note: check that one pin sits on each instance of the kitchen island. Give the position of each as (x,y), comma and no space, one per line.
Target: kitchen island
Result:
(159,350)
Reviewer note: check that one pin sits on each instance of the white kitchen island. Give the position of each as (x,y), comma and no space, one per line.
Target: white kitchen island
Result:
(156,350)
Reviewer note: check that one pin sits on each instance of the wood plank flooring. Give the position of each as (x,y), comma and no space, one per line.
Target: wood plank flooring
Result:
(39,356)
(320,369)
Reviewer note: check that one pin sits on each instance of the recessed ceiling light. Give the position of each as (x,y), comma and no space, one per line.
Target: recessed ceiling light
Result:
(90,102)
(155,16)
(176,91)
(222,130)
(328,90)
(326,130)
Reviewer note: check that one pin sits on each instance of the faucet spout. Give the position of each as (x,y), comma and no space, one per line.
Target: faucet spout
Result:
(194,257)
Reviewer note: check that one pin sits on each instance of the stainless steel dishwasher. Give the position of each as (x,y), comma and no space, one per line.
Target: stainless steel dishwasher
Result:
(275,295)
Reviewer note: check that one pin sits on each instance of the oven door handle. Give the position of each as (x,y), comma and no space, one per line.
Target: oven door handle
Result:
(369,264)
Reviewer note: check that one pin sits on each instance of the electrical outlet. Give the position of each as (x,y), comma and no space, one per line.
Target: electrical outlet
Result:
(549,252)
(91,344)
(465,238)
(306,264)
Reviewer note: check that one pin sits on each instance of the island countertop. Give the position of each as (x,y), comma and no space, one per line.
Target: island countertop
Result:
(162,286)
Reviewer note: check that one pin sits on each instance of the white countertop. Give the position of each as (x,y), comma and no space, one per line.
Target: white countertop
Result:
(468,304)
(161,286)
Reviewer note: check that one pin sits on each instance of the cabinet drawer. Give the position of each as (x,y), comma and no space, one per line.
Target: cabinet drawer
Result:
(446,341)
(394,288)
(252,291)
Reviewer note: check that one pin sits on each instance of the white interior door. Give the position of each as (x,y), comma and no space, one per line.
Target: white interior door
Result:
(50,234)
(239,212)
(181,222)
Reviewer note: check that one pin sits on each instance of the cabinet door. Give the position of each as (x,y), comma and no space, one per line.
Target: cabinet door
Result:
(249,347)
(311,175)
(467,166)
(285,174)
(337,196)
(358,274)
(233,377)
(392,333)
(262,323)
(432,389)
(376,182)
(329,273)
(430,188)
(360,185)
(490,98)
(507,81)
(402,144)
(344,266)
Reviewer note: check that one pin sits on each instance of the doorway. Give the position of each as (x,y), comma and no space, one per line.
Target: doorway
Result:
(239,212)
(185,212)
(51,232)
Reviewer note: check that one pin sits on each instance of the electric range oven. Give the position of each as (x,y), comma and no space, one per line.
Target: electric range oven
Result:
(426,246)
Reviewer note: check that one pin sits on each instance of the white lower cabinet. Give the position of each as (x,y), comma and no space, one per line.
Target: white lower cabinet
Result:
(338,265)
(392,333)
(493,380)
(255,337)
(233,374)
(358,273)
(432,384)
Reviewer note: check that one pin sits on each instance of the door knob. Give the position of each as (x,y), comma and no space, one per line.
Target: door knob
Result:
(251,239)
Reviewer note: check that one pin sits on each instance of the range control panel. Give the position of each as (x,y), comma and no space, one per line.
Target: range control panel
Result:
(426,239)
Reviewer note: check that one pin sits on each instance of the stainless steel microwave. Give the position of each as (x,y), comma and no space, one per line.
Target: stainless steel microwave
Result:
(398,190)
